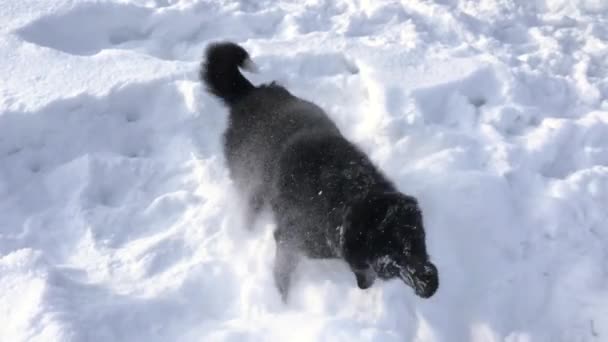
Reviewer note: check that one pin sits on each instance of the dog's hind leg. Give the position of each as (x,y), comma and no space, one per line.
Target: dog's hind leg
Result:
(285,261)
(253,207)
(256,202)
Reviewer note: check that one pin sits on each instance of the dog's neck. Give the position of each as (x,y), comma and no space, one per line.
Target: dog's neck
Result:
(355,184)
(339,217)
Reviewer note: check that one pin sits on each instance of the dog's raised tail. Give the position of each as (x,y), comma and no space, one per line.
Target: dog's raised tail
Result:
(220,71)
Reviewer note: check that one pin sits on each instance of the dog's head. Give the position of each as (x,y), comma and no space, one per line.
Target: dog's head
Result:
(384,236)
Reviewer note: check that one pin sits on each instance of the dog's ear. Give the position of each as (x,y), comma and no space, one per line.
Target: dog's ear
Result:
(408,201)
(400,196)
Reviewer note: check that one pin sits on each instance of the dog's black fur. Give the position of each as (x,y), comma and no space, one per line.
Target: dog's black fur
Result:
(328,199)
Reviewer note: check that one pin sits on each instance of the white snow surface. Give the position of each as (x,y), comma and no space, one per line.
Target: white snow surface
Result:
(119,222)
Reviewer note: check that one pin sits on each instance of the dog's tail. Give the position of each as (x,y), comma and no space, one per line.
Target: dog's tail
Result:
(220,71)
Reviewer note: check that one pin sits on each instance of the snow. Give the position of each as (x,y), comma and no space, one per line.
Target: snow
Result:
(118,220)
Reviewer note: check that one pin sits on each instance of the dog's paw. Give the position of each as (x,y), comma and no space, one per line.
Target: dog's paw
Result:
(365,279)
(284,295)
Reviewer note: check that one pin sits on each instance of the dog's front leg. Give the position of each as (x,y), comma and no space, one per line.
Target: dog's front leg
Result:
(365,277)
(286,260)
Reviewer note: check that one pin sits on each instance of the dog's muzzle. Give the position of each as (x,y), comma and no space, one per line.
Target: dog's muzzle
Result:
(422,277)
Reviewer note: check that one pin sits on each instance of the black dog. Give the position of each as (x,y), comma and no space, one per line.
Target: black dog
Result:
(328,199)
